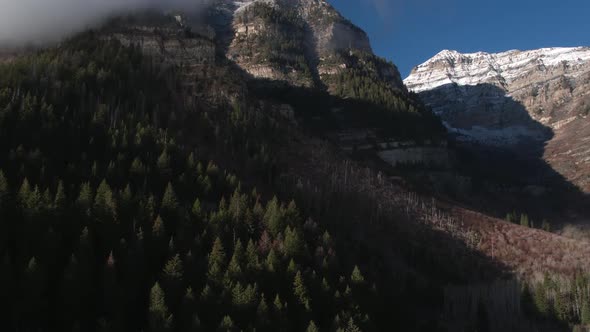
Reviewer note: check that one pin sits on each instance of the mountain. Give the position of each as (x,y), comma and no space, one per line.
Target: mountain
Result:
(510,98)
(160,174)
(304,42)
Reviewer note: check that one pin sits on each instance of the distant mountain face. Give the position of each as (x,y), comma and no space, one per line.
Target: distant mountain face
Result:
(509,98)
(303,42)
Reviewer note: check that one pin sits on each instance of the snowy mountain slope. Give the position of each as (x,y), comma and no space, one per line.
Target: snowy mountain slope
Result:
(503,69)
(513,97)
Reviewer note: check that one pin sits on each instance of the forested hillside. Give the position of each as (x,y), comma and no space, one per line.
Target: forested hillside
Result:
(149,187)
(116,219)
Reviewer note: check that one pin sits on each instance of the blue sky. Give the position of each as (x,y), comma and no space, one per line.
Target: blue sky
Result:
(408,32)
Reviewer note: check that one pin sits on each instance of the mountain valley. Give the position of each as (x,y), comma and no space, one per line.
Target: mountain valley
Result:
(256,167)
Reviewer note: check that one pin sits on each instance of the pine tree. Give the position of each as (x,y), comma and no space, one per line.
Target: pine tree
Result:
(159,319)
(85,198)
(273,217)
(252,260)
(173,269)
(189,321)
(158,228)
(126,197)
(29,199)
(278,305)
(169,200)
(292,215)
(216,260)
(293,242)
(226,324)
(237,261)
(351,326)
(524,220)
(300,291)
(110,291)
(137,169)
(163,163)
(272,261)
(312,327)
(197,211)
(104,203)
(60,198)
(24,194)
(292,267)
(356,276)
(262,312)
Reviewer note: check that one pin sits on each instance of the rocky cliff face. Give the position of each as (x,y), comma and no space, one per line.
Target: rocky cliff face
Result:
(513,97)
(303,42)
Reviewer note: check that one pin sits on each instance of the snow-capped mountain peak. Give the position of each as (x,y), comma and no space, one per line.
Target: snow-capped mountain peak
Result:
(508,98)
(448,67)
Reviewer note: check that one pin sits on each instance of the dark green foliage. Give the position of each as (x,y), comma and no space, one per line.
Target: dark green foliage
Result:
(122,220)
(357,276)
(312,327)
(160,320)
(524,220)
(300,291)
(104,203)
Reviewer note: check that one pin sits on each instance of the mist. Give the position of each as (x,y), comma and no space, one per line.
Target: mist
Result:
(43,21)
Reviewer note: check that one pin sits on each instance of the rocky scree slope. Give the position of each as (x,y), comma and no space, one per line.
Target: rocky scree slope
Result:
(509,98)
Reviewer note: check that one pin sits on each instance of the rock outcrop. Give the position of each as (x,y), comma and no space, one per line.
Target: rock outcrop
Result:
(514,97)
(303,42)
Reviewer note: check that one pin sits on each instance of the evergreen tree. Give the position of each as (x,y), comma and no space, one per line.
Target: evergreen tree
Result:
(300,291)
(163,163)
(85,198)
(197,211)
(351,326)
(293,242)
(158,229)
(312,327)
(60,198)
(273,217)
(24,194)
(524,220)
(189,320)
(104,203)
(216,260)
(237,261)
(272,261)
(356,276)
(226,324)
(173,269)
(262,313)
(159,319)
(169,201)
(252,260)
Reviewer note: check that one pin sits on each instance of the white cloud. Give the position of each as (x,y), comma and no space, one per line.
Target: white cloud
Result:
(39,21)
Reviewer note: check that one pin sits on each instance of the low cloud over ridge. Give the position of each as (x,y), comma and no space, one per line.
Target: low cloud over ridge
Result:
(41,21)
